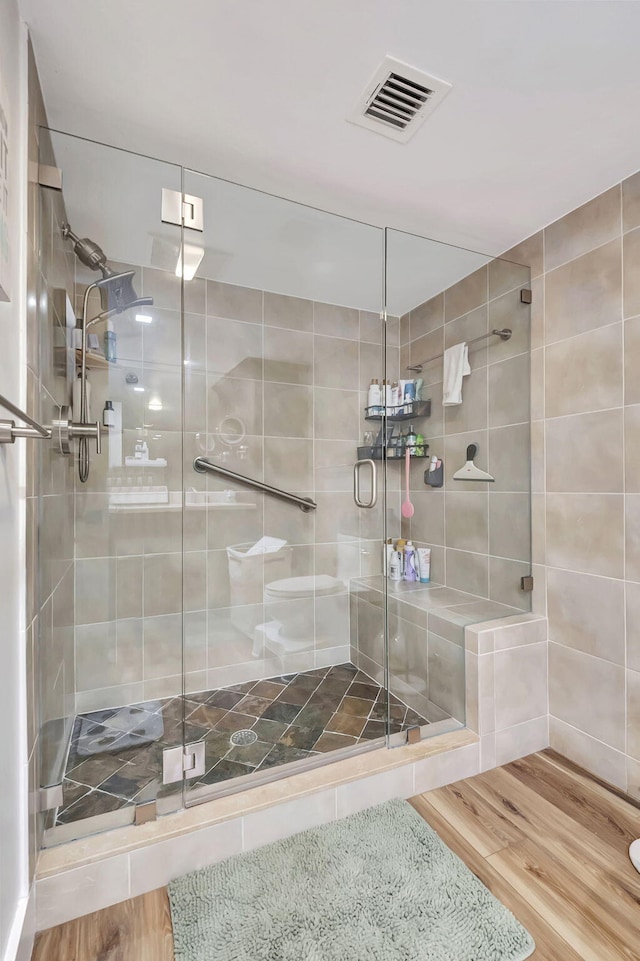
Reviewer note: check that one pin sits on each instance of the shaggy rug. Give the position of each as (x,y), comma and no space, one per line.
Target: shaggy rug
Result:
(376,886)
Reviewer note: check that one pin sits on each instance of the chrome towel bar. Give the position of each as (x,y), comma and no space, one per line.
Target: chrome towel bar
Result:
(201,465)
(503,334)
(8,429)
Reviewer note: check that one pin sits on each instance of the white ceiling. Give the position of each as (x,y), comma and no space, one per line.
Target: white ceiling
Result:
(542,115)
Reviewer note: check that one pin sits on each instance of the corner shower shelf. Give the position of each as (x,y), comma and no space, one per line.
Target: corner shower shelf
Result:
(375,453)
(418,408)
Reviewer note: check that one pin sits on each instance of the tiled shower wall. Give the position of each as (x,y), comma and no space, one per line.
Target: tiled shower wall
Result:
(586,477)
(295,374)
(479,533)
(49,517)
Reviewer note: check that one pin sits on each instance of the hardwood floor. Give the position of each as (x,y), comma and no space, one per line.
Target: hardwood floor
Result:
(547,839)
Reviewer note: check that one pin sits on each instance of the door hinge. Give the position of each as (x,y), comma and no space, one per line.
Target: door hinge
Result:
(183,762)
(526,296)
(182,209)
(50,797)
(526,583)
(49,176)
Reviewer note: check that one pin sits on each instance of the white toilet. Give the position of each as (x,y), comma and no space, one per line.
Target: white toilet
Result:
(289,606)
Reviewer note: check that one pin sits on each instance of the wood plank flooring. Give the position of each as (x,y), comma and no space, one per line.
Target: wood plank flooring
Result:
(547,839)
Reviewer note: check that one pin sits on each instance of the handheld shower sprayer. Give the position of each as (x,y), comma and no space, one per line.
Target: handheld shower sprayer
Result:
(117,294)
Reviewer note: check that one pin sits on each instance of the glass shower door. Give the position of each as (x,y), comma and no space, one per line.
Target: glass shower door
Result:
(110,591)
(276,378)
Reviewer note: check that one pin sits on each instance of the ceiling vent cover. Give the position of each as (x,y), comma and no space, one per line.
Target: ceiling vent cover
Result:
(398,100)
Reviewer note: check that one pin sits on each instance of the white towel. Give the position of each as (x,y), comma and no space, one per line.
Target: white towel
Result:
(455,367)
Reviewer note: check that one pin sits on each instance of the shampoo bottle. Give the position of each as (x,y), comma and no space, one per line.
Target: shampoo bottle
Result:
(373,397)
(110,343)
(410,573)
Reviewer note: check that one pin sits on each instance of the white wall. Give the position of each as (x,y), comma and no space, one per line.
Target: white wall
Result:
(13,763)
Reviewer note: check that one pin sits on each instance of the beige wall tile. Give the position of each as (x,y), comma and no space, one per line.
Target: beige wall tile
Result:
(584,373)
(505,582)
(290,312)
(446,676)
(509,399)
(529,252)
(162,646)
(631,273)
(71,894)
(95,590)
(446,768)
(509,459)
(509,525)
(585,532)
(466,521)
(587,693)
(427,523)
(585,228)
(466,294)
(422,349)
(589,752)
(631,202)
(162,584)
(332,321)
(232,302)
(522,739)
(467,572)
(585,452)
(632,617)
(336,415)
(287,410)
(288,356)
(583,294)
(234,348)
(508,312)
(633,714)
(632,361)
(537,312)
(374,790)
(335,363)
(505,274)
(632,449)
(157,864)
(427,317)
(586,613)
(288,463)
(632,536)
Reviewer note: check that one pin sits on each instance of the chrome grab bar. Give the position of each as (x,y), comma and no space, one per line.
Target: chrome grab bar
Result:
(201,465)
(8,429)
(374,483)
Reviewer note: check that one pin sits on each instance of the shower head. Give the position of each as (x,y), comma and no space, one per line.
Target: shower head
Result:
(87,251)
(117,293)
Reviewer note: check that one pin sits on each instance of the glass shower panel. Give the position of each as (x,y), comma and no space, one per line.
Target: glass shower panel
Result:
(276,377)
(111,615)
(474,520)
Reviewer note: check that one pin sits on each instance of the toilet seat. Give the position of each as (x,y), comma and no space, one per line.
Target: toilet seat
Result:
(318,585)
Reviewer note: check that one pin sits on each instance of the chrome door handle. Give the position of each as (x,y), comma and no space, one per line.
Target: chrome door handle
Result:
(374,483)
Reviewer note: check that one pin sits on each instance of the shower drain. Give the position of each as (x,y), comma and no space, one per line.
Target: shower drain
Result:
(242,738)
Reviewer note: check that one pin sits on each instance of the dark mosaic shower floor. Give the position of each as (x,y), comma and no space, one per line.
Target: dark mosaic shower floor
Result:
(115,756)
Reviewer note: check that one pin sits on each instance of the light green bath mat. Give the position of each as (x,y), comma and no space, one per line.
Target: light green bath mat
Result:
(376,886)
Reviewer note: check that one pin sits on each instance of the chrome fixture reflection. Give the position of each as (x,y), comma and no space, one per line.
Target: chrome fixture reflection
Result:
(117,294)
(62,429)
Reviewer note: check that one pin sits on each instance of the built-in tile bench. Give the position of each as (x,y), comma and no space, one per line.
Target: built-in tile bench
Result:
(457,659)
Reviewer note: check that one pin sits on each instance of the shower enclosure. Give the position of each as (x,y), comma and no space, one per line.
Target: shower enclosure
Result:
(218,612)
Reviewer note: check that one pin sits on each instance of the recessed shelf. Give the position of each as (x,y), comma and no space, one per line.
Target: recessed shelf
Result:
(95,361)
(416,408)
